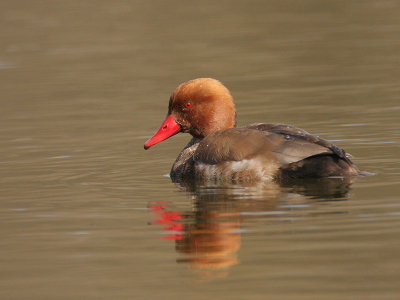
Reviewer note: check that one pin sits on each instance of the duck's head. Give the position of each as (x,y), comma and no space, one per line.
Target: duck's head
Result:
(199,107)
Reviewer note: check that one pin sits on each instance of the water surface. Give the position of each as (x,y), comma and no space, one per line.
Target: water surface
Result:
(86,213)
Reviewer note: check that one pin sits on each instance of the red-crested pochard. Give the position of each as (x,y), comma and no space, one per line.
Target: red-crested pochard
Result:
(219,151)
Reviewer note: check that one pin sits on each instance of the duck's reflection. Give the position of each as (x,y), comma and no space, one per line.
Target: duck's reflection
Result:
(209,236)
(211,242)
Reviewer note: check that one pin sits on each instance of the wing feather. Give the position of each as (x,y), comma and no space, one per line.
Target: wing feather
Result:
(287,143)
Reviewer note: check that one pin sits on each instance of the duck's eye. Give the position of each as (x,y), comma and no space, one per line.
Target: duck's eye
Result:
(188,105)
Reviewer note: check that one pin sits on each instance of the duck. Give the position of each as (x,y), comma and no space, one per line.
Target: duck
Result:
(222,152)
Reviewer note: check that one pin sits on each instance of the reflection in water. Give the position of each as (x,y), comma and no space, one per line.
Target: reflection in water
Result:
(209,236)
(321,188)
(211,241)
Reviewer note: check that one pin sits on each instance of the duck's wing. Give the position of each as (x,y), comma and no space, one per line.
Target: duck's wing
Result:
(281,143)
(297,144)
(234,144)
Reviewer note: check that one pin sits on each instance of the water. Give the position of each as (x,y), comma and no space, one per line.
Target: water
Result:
(86,213)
